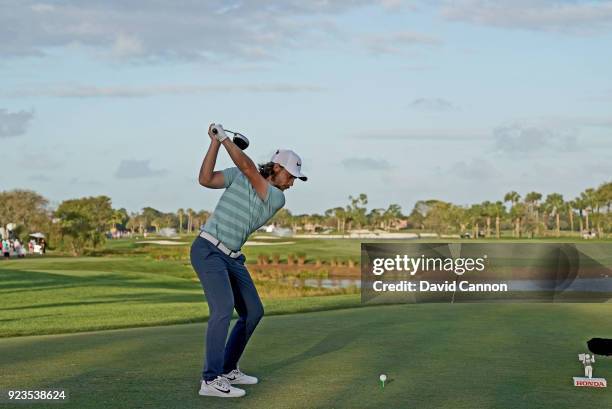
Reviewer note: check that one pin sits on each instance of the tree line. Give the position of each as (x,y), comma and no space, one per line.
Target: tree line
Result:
(532,215)
(83,223)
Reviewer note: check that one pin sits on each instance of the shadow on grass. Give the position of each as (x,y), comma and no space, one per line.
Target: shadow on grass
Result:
(332,342)
(19,351)
(118,298)
(42,280)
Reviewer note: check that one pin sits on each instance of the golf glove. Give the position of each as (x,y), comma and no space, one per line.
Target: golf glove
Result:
(219,132)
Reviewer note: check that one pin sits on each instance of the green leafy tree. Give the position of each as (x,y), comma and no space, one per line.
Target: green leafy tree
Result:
(119,218)
(438,215)
(282,218)
(356,210)
(25,208)
(376,218)
(337,216)
(83,222)
(392,215)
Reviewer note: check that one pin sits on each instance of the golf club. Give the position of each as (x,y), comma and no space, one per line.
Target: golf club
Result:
(239,139)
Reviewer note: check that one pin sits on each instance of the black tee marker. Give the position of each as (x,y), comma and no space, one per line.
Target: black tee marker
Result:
(600,346)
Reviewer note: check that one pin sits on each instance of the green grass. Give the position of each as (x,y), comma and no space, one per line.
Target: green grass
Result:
(129,285)
(435,356)
(85,299)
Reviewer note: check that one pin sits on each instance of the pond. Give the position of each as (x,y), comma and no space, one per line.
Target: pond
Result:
(328,283)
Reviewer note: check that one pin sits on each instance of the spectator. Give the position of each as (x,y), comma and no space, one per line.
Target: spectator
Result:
(19,250)
(6,248)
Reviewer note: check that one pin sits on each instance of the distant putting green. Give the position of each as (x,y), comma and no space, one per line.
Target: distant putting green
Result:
(434,355)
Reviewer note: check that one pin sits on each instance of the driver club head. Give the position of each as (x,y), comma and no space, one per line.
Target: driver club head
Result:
(241,141)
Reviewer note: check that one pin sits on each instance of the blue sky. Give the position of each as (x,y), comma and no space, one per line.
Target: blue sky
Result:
(460,101)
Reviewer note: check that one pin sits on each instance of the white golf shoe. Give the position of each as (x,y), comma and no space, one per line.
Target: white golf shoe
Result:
(236,377)
(220,387)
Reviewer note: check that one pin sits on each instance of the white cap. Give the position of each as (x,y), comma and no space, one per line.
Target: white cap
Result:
(290,161)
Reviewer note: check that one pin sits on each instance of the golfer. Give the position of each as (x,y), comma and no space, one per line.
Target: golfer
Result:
(252,195)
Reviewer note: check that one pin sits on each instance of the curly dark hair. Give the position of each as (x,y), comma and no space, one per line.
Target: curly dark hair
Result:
(266,169)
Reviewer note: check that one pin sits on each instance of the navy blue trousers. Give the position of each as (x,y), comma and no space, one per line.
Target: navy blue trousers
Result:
(227,285)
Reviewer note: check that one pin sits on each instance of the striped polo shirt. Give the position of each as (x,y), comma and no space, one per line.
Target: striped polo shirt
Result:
(240,210)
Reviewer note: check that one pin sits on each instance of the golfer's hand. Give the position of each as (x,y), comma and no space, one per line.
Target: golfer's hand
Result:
(213,137)
(220,134)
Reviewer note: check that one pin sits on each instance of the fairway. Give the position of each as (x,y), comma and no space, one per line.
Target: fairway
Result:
(60,294)
(435,356)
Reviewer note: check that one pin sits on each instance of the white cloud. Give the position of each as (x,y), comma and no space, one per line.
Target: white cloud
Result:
(366,164)
(132,169)
(395,43)
(39,178)
(429,134)
(125,91)
(43,158)
(127,46)
(474,169)
(538,15)
(528,137)
(14,123)
(170,29)
(42,7)
(432,104)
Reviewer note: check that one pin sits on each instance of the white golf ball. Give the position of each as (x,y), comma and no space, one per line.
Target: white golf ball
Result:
(383,377)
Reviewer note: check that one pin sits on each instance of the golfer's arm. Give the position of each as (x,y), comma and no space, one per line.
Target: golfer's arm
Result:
(247,167)
(208,177)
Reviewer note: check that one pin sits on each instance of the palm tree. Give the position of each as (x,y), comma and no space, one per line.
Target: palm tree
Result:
(392,214)
(156,222)
(376,219)
(605,192)
(204,215)
(578,204)
(341,215)
(590,201)
(356,210)
(338,214)
(488,211)
(475,214)
(514,199)
(169,219)
(569,208)
(498,210)
(189,219)
(459,218)
(605,195)
(532,199)
(281,218)
(554,205)
(180,213)
(132,223)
